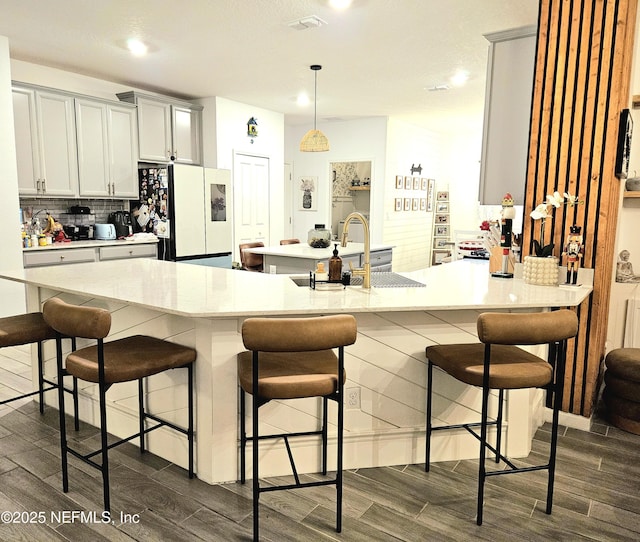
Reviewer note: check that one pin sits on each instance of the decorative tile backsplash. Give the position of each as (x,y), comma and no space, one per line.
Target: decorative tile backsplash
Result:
(59,208)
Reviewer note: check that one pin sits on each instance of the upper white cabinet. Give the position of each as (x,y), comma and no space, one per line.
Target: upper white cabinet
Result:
(507,114)
(107,148)
(168,129)
(45,142)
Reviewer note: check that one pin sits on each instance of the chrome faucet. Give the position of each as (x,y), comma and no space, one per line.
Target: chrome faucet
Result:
(365,270)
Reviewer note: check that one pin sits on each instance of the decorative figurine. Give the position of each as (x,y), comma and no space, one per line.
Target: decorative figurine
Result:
(508,214)
(624,269)
(573,250)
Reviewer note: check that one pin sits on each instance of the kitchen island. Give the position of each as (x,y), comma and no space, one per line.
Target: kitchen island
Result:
(204,307)
(301,258)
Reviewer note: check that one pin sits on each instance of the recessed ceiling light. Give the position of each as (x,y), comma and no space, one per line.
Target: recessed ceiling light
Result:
(137,47)
(339,4)
(459,78)
(303,99)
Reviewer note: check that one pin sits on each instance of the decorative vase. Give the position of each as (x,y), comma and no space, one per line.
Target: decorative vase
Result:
(540,271)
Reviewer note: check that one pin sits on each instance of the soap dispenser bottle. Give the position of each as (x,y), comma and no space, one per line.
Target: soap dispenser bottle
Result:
(335,266)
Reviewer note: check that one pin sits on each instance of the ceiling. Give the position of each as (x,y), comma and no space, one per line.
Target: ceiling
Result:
(378,57)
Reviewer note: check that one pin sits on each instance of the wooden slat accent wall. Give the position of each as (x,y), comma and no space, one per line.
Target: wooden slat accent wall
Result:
(581,85)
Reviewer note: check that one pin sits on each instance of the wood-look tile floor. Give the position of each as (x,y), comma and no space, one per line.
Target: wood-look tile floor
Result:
(597,494)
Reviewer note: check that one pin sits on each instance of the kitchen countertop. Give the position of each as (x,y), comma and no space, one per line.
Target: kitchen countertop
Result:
(92,243)
(211,292)
(303,250)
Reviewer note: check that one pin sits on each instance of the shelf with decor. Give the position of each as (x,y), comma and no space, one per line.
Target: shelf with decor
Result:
(360,188)
(635,194)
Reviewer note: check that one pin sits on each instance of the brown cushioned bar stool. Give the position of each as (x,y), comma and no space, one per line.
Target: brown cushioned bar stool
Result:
(291,358)
(289,241)
(249,260)
(107,363)
(27,329)
(622,388)
(497,363)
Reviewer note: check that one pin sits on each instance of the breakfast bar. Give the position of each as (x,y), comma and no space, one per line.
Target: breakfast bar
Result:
(204,307)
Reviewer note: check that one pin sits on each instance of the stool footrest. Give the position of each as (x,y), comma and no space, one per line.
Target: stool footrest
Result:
(299,485)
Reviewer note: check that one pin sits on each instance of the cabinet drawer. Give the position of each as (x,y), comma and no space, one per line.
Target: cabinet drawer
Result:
(129,251)
(379,258)
(58,257)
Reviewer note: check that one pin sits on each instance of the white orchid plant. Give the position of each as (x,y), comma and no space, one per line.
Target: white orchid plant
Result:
(544,211)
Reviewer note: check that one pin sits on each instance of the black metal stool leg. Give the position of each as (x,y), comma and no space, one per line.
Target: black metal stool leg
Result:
(256,485)
(243,438)
(141,413)
(40,377)
(190,428)
(427,453)
(63,427)
(339,462)
(499,424)
(325,403)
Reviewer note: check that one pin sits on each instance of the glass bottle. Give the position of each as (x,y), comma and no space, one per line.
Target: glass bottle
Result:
(335,266)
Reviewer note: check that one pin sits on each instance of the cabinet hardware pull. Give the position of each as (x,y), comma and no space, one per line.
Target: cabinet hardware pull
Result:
(44,185)
(38,185)
(61,258)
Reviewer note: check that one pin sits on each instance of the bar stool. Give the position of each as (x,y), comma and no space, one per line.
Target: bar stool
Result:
(291,358)
(27,329)
(496,363)
(107,363)
(250,261)
(294,241)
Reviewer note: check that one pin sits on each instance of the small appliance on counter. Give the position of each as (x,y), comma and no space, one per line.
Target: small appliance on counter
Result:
(122,223)
(104,231)
(78,223)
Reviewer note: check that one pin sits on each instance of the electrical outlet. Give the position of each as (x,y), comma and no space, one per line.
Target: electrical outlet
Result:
(353,398)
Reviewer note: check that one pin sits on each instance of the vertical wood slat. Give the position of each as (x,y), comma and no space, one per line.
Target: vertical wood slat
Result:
(581,83)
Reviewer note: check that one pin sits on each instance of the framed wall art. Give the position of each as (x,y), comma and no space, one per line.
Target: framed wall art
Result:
(415,204)
(399,181)
(308,197)
(442,196)
(424,183)
(423,204)
(398,204)
(416,183)
(408,183)
(407,204)
(430,193)
(442,230)
(442,207)
(442,219)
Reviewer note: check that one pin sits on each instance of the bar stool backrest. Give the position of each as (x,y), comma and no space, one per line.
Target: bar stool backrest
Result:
(527,328)
(298,334)
(75,320)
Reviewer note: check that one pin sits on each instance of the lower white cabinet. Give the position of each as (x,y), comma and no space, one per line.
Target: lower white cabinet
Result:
(64,256)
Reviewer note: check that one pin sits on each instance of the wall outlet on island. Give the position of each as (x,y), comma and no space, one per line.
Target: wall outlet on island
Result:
(353,398)
(272,269)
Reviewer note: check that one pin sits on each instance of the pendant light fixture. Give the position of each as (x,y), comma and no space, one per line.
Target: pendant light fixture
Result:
(314,140)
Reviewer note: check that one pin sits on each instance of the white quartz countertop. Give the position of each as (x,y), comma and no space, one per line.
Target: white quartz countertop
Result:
(200,291)
(303,250)
(92,243)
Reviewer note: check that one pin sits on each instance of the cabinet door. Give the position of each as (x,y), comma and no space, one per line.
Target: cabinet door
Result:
(26,132)
(186,134)
(123,149)
(93,157)
(57,144)
(154,130)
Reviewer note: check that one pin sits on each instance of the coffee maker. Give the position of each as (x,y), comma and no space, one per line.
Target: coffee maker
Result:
(122,222)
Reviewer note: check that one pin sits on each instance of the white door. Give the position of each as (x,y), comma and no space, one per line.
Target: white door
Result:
(251,199)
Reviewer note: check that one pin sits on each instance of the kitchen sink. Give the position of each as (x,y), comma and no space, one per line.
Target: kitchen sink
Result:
(378,280)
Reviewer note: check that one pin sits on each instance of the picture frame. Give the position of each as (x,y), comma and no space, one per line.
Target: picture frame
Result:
(398,204)
(308,199)
(430,193)
(407,204)
(424,183)
(441,230)
(442,196)
(442,219)
(442,207)
(423,204)
(415,204)
(408,183)
(399,181)
(416,183)
(625,130)
(439,256)
(441,243)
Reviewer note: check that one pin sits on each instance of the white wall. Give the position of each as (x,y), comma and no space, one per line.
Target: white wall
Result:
(12,294)
(231,129)
(350,141)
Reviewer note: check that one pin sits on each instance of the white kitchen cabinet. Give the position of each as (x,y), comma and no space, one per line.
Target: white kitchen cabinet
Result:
(45,134)
(167,128)
(87,251)
(107,149)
